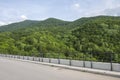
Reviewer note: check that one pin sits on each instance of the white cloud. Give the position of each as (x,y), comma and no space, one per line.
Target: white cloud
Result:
(113,11)
(23,17)
(109,11)
(109,7)
(110,4)
(2,23)
(94,13)
(76,6)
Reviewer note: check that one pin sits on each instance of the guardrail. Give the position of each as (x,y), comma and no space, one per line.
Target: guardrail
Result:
(77,63)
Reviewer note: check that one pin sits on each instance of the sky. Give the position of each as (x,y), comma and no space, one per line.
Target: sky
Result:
(18,10)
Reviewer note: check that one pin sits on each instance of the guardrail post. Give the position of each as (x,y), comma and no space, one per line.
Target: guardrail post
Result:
(14,56)
(19,56)
(58,58)
(49,60)
(23,57)
(27,57)
(39,59)
(6,55)
(48,56)
(42,57)
(91,59)
(111,57)
(58,61)
(70,63)
(33,58)
(84,60)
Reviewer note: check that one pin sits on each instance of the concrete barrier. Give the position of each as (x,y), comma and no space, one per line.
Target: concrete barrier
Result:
(116,67)
(55,61)
(64,61)
(46,60)
(101,65)
(25,57)
(36,59)
(21,57)
(30,58)
(76,63)
(87,64)
(15,56)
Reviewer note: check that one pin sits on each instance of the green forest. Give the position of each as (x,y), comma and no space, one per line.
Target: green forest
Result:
(95,38)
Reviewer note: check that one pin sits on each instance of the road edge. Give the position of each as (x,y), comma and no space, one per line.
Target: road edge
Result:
(89,70)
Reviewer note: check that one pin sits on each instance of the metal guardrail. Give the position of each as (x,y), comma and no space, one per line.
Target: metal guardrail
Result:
(70,62)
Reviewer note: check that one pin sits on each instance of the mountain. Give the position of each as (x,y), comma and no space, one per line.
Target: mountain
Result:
(32,23)
(98,35)
(53,22)
(84,20)
(18,25)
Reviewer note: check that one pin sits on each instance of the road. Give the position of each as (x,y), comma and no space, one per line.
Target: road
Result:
(19,70)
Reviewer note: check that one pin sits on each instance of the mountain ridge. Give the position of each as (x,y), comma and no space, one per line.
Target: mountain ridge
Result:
(54,22)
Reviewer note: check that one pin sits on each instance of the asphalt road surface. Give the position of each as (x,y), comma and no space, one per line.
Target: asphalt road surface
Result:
(18,70)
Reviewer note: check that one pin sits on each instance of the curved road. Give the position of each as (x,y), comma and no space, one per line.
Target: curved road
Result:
(18,70)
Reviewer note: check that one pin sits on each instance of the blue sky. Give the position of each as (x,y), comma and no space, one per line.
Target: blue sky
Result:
(19,10)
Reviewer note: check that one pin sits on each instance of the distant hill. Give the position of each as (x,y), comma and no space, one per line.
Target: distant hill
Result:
(98,35)
(53,22)
(32,23)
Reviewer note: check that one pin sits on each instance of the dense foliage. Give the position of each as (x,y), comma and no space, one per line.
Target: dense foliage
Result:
(94,37)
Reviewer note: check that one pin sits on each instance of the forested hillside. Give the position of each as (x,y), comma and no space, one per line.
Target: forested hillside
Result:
(93,35)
